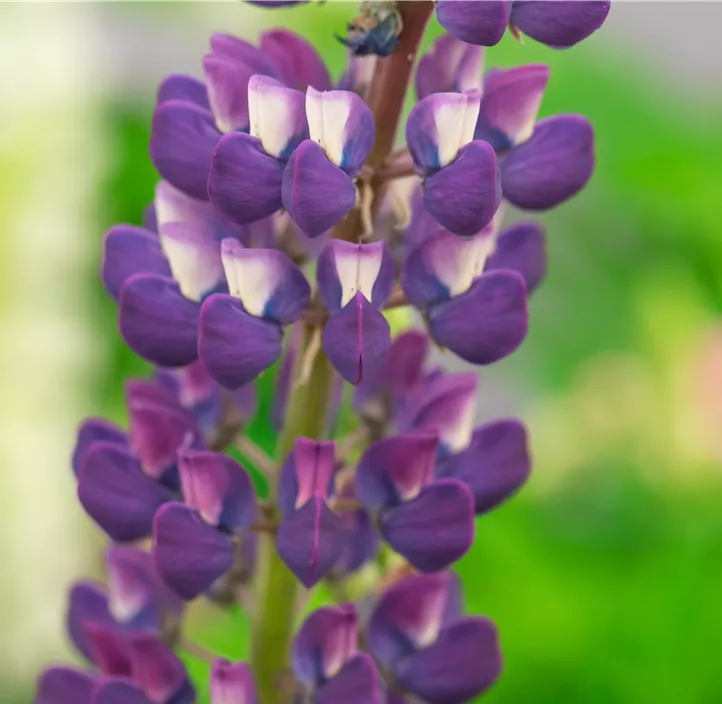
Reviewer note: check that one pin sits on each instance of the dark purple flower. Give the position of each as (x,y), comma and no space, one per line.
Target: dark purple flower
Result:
(361,542)
(417,631)
(430,523)
(65,685)
(310,538)
(241,334)
(318,183)
(461,178)
(194,542)
(326,660)
(355,281)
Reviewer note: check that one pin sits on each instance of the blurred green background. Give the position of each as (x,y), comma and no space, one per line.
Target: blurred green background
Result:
(605,574)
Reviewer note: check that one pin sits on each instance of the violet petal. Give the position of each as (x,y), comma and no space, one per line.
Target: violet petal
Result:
(94,430)
(476,22)
(559,24)
(522,248)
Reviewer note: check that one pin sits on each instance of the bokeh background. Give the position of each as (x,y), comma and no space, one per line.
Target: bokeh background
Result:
(605,574)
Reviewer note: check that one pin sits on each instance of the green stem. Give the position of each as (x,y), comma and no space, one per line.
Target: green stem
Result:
(277,589)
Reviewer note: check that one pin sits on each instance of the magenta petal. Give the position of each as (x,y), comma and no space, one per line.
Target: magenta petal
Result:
(299,62)
(159,671)
(178,86)
(236,347)
(552,166)
(87,603)
(116,493)
(65,685)
(181,145)
(324,643)
(476,22)
(435,529)
(559,24)
(356,683)
(119,690)
(157,321)
(94,430)
(357,339)
(245,182)
(130,250)
(189,554)
(218,488)
(522,248)
(463,662)
(232,683)
(108,648)
(495,465)
(395,469)
(316,193)
(488,322)
(465,195)
(307,471)
(310,541)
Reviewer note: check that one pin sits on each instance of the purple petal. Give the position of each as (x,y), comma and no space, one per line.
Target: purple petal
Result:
(195,260)
(299,62)
(310,541)
(342,123)
(158,322)
(465,195)
(87,603)
(482,22)
(172,205)
(65,685)
(227,81)
(357,339)
(136,596)
(181,145)
(510,105)
(307,471)
(94,430)
(267,282)
(157,432)
(316,193)
(119,690)
(439,126)
(150,220)
(108,648)
(486,323)
(495,465)
(360,545)
(116,493)
(189,554)
(522,248)
(160,673)
(552,166)
(179,86)
(230,47)
(356,683)
(410,615)
(559,24)
(192,385)
(450,66)
(236,347)
(245,181)
(444,407)
(395,469)
(277,115)
(345,268)
(232,683)
(464,662)
(150,391)
(245,402)
(444,266)
(435,529)
(218,488)
(324,643)
(130,250)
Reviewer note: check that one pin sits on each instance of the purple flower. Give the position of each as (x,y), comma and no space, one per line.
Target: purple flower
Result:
(558,24)
(430,523)
(354,281)
(194,542)
(318,188)
(450,66)
(310,538)
(461,179)
(417,631)
(232,683)
(124,479)
(327,662)
(241,334)
(245,181)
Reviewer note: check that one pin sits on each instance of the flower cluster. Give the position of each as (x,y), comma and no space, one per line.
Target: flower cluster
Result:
(282,232)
